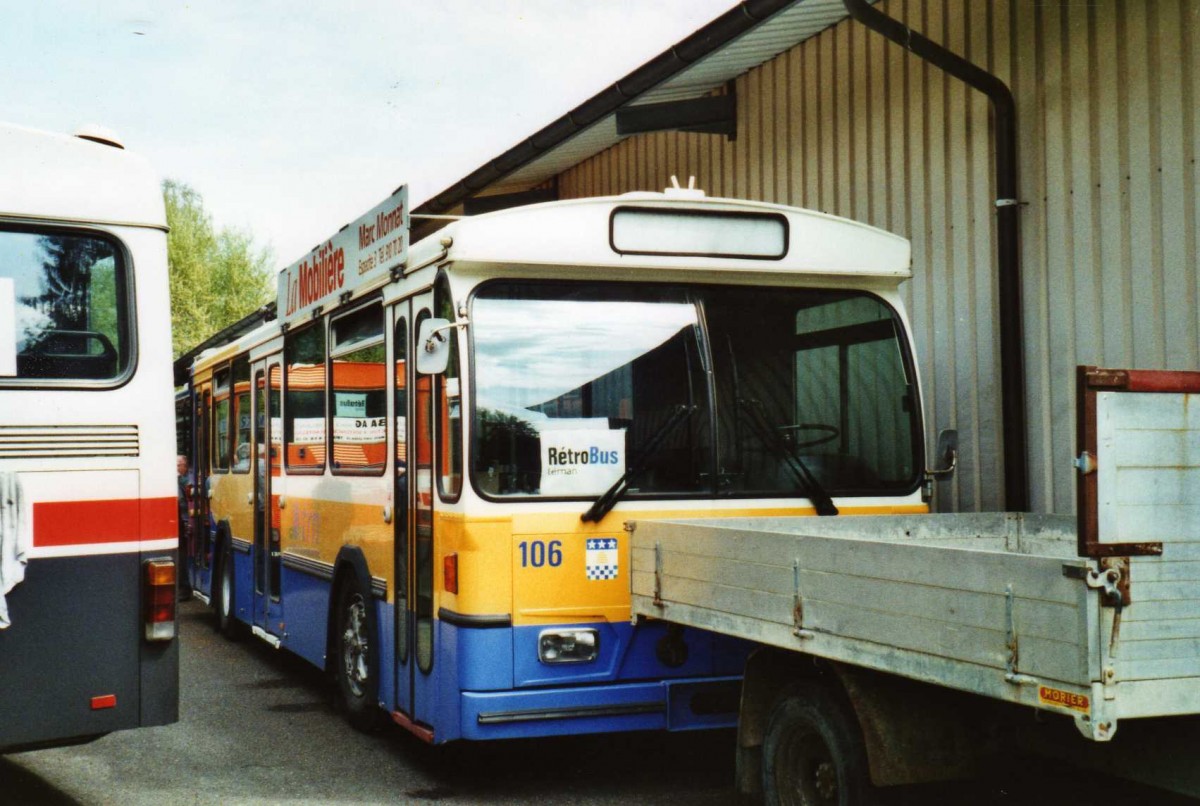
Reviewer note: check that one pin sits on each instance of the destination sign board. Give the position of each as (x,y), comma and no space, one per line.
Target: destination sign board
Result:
(364,250)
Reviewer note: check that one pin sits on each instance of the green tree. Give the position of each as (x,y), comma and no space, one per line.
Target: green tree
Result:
(217,276)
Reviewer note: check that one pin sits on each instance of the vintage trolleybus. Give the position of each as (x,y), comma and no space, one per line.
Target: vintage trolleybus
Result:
(418,477)
(87,473)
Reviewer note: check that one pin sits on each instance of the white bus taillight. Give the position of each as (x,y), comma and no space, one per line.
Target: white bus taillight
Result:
(159,596)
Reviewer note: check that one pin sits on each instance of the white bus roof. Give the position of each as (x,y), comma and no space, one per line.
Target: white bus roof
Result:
(56,176)
(585,232)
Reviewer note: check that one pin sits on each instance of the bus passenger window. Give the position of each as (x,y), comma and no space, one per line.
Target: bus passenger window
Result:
(400,346)
(221,422)
(358,403)
(241,415)
(449,406)
(304,404)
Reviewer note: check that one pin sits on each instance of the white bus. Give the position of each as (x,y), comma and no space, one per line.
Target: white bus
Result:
(448,541)
(88,511)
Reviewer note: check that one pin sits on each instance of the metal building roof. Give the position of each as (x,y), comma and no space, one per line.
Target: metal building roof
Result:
(750,34)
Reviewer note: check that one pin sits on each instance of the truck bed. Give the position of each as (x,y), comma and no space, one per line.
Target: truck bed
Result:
(1097,617)
(994,604)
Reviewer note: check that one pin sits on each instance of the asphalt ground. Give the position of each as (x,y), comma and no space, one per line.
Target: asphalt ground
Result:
(259,726)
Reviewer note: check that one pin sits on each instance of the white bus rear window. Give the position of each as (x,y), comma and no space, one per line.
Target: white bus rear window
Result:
(64,307)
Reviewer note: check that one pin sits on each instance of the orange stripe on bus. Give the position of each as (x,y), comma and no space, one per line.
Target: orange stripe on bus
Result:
(70,523)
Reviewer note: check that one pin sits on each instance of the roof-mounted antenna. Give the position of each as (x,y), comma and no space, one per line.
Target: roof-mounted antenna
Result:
(677,192)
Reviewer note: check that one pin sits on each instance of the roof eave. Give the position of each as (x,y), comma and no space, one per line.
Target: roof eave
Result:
(707,40)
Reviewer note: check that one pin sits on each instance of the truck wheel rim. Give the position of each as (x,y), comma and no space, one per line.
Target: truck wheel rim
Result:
(807,773)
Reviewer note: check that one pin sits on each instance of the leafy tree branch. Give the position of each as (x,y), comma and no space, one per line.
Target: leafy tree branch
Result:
(217,276)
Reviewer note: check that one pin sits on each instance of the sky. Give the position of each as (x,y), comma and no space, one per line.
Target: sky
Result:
(292,119)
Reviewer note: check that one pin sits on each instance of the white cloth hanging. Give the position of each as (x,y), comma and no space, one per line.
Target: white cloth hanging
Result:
(14,539)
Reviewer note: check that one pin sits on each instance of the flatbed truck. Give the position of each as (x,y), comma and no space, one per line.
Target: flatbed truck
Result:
(908,648)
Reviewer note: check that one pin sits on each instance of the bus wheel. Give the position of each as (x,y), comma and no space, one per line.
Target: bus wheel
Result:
(357,647)
(227,624)
(813,751)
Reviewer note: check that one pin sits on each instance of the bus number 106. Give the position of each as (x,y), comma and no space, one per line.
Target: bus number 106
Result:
(539,553)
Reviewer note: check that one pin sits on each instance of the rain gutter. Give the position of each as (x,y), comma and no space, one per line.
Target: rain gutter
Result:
(1012,343)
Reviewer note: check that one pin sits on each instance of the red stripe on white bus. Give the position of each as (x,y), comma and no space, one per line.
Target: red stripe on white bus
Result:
(69,523)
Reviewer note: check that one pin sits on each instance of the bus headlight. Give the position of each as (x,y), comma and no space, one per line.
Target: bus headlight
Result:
(568,646)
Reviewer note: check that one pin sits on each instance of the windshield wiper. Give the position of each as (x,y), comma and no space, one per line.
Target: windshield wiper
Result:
(608,499)
(808,482)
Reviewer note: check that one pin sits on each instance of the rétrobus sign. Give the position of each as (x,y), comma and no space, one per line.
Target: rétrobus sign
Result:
(364,250)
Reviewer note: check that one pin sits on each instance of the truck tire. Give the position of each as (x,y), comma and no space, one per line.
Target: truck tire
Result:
(812,752)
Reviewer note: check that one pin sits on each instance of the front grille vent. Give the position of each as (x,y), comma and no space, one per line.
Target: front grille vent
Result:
(73,441)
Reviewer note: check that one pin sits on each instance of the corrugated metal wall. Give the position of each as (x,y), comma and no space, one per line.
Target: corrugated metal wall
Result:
(850,124)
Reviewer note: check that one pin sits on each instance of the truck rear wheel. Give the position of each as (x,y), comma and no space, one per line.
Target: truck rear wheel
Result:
(813,752)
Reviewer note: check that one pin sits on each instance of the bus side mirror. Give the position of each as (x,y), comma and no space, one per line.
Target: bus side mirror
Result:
(433,346)
(946,454)
(945,457)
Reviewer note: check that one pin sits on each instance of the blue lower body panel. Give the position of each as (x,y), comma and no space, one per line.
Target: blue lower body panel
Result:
(488,683)
(659,705)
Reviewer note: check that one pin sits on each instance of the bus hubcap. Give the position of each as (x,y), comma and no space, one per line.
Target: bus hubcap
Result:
(354,646)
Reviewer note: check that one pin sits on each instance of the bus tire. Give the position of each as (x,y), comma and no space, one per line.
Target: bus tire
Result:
(813,750)
(224,597)
(356,661)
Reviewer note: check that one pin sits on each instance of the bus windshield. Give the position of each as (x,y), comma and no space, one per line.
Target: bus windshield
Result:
(696,391)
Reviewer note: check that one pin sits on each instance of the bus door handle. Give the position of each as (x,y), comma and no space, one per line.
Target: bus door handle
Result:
(387,514)
(249,498)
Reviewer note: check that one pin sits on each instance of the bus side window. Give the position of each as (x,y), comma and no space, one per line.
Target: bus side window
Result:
(221,411)
(449,404)
(241,414)
(304,390)
(401,350)
(358,400)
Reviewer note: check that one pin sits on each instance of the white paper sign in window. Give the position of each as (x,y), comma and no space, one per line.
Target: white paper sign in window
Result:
(581,462)
(8,328)
(350,404)
(363,430)
(309,430)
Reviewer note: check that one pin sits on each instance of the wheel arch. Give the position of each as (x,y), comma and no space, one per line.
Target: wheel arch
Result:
(946,741)
(222,548)
(222,536)
(768,671)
